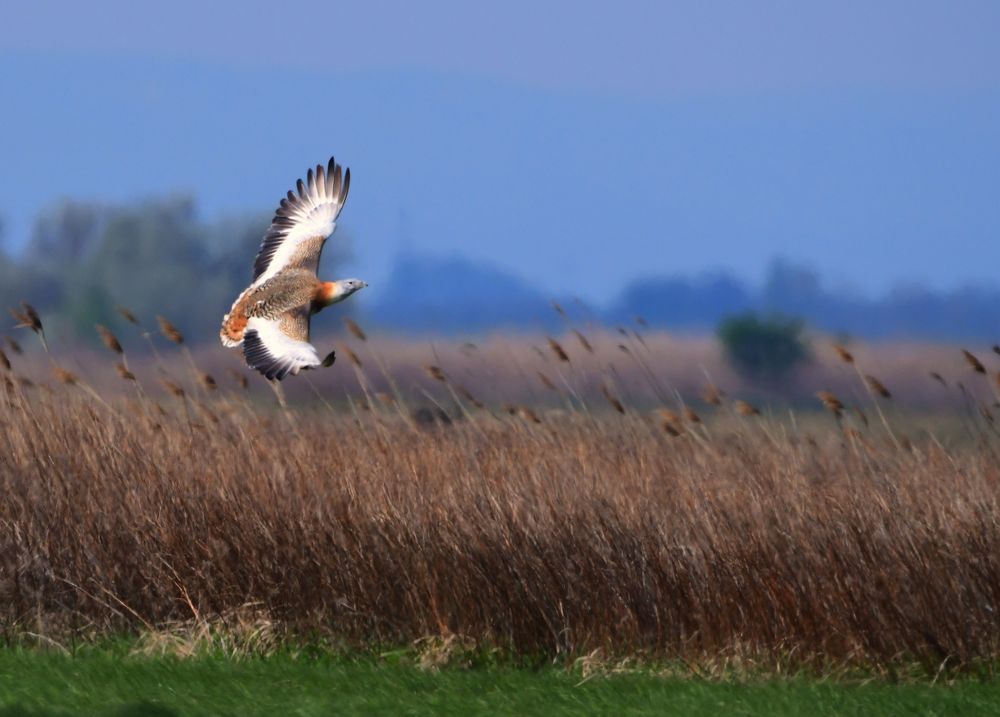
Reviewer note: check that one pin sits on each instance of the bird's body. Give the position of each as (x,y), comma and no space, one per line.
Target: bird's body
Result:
(270,319)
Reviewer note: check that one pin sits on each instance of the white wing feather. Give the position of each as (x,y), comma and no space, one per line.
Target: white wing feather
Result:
(273,352)
(303,217)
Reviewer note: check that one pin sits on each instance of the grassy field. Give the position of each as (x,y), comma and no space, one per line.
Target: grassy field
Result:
(605,522)
(105,682)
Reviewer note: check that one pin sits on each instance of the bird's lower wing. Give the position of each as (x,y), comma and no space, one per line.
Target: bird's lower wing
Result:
(278,347)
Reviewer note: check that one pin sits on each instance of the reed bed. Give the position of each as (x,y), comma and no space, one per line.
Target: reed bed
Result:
(707,532)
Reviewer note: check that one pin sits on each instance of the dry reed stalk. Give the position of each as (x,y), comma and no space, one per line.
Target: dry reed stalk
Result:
(355,330)
(170,331)
(528,414)
(583,342)
(127,315)
(612,400)
(558,350)
(109,339)
(353,358)
(240,378)
(670,424)
(844,355)
(974,363)
(712,395)
(468,396)
(877,386)
(28,318)
(173,388)
(830,401)
(547,382)
(65,376)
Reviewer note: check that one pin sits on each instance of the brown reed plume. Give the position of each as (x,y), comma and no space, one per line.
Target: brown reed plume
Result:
(4,361)
(28,318)
(712,395)
(670,422)
(353,357)
(355,330)
(547,382)
(109,339)
(127,315)
(467,395)
(877,386)
(240,378)
(612,400)
(974,363)
(831,402)
(173,388)
(558,350)
(583,342)
(169,330)
(745,409)
(65,376)
(435,372)
(844,355)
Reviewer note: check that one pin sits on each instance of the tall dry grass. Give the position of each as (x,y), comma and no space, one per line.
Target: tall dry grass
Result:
(699,532)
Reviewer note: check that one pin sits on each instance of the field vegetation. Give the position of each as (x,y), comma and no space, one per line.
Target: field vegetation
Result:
(601,523)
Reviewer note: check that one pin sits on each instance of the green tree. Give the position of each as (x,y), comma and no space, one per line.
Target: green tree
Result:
(763,347)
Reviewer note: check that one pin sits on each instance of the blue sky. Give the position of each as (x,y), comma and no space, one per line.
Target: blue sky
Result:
(577,144)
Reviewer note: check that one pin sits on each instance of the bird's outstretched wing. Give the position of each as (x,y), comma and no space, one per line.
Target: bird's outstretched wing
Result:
(303,222)
(278,347)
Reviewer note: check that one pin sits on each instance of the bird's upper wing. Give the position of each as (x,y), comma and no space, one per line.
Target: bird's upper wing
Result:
(278,347)
(303,222)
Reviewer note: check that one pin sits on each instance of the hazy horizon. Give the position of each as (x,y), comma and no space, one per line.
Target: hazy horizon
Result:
(580,150)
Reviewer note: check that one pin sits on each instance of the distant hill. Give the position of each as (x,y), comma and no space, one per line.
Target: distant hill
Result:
(454,295)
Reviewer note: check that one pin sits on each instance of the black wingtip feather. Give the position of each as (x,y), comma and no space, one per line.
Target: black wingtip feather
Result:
(259,358)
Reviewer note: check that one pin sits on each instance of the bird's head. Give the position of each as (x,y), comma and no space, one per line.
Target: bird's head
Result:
(333,291)
(349,286)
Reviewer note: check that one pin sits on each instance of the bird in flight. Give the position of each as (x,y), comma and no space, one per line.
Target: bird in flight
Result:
(270,319)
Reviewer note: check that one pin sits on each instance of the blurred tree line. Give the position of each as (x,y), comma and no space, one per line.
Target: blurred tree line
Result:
(82,260)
